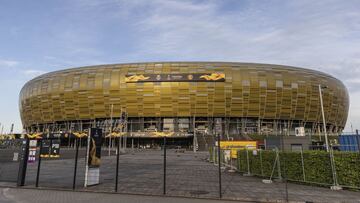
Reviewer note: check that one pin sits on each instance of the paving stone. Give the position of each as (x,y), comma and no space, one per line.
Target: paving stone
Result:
(187,175)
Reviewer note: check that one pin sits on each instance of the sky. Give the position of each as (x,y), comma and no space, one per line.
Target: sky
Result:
(42,36)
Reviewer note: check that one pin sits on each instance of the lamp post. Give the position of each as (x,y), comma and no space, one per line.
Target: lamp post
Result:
(323,116)
(335,185)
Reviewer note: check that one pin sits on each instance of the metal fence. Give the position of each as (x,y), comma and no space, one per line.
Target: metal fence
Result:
(333,168)
(9,163)
(254,175)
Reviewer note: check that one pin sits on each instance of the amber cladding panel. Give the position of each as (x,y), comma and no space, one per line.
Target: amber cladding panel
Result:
(250,90)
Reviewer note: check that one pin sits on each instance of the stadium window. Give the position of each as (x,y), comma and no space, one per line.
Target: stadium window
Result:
(294,85)
(246,83)
(263,83)
(279,83)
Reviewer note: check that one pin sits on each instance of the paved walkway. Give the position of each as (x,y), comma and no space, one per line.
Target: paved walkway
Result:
(13,195)
(187,175)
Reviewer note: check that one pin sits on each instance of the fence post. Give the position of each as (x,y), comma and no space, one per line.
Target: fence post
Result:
(75,167)
(333,169)
(261,164)
(231,162)
(284,166)
(358,140)
(247,161)
(24,154)
(238,158)
(219,166)
(117,165)
(278,164)
(214,154)
(358,144)
(285,177)
(302,164)
(39,164)
(164,178)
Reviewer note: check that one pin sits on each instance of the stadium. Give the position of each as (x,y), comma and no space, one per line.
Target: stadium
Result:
(184,100)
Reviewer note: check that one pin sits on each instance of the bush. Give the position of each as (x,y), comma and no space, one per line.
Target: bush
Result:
(348,168)
(317,166)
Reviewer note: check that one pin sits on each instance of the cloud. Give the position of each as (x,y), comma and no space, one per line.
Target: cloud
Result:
(8,63)
(33,73)
(321,35)
(190,30)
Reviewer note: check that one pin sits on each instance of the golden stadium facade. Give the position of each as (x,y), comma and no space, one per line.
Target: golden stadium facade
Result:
(180,98)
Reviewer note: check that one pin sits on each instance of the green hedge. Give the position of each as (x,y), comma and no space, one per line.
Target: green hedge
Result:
(348,168)
(317,166)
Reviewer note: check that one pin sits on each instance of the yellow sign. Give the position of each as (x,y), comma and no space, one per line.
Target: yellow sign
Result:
(49,156)
(116,134)
(7,137)
(135,78)
(234,146)
(80,134)
(238,144)
(214,76)
(162,134)
(34,136)
(177,77)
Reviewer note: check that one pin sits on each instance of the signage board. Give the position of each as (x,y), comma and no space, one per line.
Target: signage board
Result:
(218,125)
(92,173)
(55,149)
(45,149)
(234,146)
(16,156)
(181,77)
(50,148)
(300,131)
(23,156)
(32,151)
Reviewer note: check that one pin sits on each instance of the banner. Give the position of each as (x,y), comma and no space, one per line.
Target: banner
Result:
(189,77)
(92,173)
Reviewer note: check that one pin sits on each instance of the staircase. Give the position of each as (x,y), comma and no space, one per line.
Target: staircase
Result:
(205,141)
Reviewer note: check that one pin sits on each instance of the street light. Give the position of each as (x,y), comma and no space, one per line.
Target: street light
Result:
(323,116)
